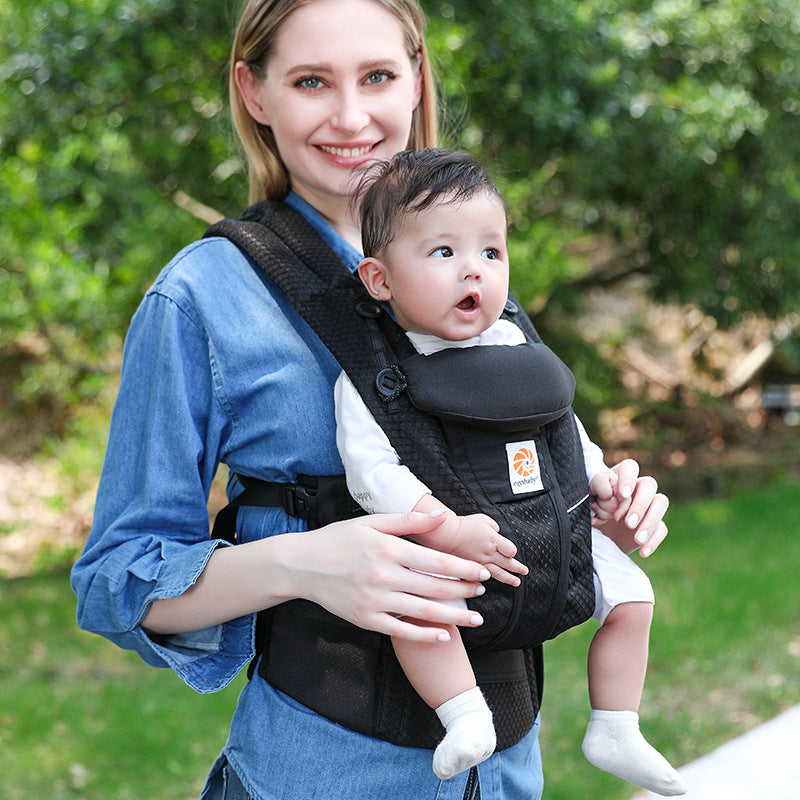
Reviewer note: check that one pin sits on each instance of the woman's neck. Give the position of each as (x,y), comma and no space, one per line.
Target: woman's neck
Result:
(346,226)
(337,214)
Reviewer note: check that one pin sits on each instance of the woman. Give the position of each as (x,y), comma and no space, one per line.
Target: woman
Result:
(219,368)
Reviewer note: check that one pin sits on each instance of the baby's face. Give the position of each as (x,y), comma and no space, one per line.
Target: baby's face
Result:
(447,268)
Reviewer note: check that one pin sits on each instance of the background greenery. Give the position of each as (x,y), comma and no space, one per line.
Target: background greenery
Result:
(629,136)
(82,719)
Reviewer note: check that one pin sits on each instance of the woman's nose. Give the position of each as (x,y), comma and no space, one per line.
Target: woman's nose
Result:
(350,114)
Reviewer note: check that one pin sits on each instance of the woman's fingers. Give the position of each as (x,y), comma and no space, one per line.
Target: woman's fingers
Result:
(425,559)
(402,627)
(627,472)
(358,572)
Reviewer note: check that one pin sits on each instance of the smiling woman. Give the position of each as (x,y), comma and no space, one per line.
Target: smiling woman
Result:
(334,96)
(330,96)
(219,368)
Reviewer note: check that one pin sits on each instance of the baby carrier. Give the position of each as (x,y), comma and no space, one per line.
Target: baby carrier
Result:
(491,430)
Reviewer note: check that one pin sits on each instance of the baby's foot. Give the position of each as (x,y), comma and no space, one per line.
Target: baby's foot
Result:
(470,736)
(614,743)
(466,744)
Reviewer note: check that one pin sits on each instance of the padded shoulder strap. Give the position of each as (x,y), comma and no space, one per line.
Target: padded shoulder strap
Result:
(303,266)
(365,341)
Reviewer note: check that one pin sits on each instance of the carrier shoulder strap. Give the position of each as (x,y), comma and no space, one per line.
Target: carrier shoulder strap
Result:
(365,341)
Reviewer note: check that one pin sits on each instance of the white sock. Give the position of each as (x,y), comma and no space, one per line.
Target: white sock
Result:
(614,743)
(469,737)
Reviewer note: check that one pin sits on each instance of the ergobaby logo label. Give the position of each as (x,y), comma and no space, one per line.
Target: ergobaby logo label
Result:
(524,473)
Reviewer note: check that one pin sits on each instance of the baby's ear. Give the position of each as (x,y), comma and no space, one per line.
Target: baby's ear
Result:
(372,272)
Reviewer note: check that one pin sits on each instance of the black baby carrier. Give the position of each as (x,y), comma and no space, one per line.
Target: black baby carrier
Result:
(490,430)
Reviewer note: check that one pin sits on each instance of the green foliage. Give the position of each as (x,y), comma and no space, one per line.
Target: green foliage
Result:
(669,125)
(656,136)
(106,109)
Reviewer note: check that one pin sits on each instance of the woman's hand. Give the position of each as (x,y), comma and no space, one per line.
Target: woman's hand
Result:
(363,571)
(638,521)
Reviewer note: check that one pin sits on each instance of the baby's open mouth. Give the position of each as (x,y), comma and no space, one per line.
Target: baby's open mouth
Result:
(468,303)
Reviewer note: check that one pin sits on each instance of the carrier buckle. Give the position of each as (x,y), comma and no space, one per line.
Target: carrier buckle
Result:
(300,501)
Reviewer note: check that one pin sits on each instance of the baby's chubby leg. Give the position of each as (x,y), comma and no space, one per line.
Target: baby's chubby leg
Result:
(442,676)
(617,666)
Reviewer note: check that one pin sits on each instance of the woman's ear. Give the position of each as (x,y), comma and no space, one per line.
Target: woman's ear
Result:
(250,90)
(418,78)
(372,272)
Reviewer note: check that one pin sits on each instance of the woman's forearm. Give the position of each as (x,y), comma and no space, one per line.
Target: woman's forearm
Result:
(236,581)
(351,568)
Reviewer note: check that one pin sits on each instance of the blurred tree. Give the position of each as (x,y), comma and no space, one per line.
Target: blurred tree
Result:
(667,129)
(106,109)
(628,135)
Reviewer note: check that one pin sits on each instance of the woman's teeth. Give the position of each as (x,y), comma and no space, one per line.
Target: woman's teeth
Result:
(346,152)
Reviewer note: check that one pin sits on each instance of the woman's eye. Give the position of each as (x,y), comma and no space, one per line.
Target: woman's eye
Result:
(442,252)
(310,82)
(379,77)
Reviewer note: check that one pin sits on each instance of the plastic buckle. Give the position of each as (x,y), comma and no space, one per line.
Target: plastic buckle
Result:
(390,383)
(300,501)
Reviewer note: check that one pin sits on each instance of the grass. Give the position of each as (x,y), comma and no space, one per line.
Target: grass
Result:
(81,719)
(725,643)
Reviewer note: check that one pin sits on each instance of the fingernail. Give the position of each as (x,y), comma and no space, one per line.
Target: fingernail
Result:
(476,619)
(485,575)
(437,513)
(627,491)
(481,589)
(646,551)
(632,521)
(641,537)
(444,636)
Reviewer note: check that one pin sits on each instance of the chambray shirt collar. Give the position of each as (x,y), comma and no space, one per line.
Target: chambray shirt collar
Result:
(349,255)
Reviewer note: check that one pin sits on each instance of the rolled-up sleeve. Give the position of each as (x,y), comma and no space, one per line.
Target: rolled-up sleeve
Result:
(150,535)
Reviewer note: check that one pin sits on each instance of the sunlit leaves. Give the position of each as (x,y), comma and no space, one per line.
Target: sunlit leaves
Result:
(673,125)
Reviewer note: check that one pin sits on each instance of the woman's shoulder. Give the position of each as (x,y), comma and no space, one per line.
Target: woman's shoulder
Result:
(210,276)
(201,264)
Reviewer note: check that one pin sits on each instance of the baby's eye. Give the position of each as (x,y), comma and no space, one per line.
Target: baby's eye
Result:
(491,253)
(442,252)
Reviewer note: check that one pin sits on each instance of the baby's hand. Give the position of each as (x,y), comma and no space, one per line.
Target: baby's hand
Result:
(604,499)
(478,536)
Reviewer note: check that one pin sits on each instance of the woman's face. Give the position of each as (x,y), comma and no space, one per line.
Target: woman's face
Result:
(339,91)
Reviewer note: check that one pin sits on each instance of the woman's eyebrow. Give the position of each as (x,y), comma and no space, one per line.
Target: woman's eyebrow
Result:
(365,66)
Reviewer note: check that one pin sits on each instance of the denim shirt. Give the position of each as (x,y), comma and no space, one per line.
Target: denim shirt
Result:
(219,368)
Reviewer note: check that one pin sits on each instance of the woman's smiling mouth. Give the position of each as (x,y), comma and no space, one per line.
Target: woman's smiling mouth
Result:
(346,152)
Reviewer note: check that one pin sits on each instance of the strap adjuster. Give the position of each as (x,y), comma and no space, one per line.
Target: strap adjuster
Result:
(299,501)
(390,383)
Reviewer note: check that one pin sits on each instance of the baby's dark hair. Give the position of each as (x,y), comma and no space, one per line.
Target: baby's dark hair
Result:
(410,182)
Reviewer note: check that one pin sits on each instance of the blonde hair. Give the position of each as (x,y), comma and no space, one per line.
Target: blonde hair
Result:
(253,43)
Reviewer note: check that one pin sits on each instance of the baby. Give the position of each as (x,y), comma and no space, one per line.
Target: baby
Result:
(434,230)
